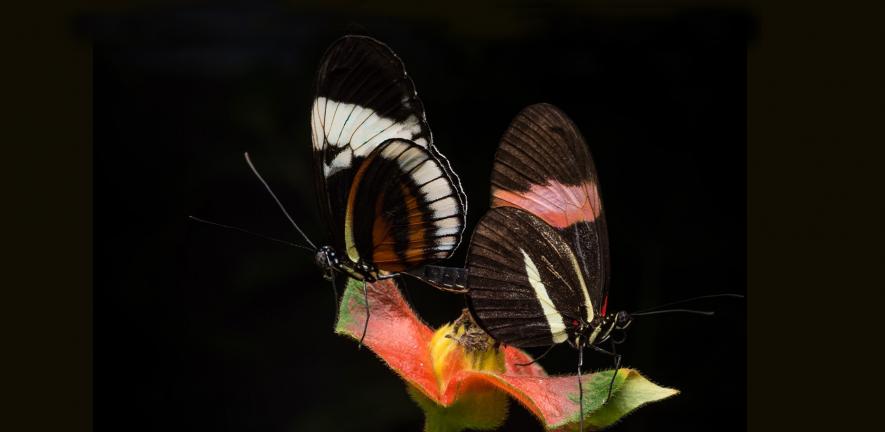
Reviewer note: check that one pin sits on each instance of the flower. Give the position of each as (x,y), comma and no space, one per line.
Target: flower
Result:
(462,378)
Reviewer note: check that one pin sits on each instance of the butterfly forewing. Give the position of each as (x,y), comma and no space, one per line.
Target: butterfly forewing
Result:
(544,167)
(363,97)
(402,208)
(526,287)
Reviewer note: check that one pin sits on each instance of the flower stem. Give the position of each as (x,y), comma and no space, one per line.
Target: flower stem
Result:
(438,423)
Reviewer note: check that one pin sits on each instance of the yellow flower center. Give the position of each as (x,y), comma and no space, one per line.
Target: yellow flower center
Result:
(462,345)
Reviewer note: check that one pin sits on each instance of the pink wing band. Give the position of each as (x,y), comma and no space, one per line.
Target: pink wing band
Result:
(557,204)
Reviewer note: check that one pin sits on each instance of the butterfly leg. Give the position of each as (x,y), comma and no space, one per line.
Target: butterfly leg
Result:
(537,358)
(366,324)
(580,388)
(617,358)
(332,281)
(611,385)
(334,295)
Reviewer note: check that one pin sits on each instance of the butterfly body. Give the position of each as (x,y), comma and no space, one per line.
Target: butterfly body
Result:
(600,330)
(329,262)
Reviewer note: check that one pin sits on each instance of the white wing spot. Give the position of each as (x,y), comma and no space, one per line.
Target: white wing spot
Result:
(426,173)
(444,208)
(411,158)
(448,226)
(342,160)
(436,189)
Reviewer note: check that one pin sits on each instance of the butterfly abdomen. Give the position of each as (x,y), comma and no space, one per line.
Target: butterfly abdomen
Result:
(445,278)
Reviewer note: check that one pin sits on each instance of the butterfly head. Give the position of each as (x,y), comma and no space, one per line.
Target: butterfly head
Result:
(614,327)
(327,260)
(623,320)
(600,329)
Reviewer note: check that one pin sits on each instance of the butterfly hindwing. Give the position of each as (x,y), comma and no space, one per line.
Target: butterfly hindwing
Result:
(544,167)
(364,97)
(402,210)
(526,286)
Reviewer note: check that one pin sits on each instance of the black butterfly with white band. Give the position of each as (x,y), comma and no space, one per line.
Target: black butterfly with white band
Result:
(390,199)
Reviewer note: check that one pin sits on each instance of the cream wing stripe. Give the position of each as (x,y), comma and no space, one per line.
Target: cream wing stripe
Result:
(554,319)
(587,301)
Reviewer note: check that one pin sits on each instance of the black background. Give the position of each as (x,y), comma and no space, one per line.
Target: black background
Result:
(199,328)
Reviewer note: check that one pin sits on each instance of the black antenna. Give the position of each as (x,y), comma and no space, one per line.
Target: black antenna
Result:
(194,218)
(706,313)
(280,204)
(688,300)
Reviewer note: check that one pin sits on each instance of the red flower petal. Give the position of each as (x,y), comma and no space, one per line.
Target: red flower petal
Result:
(402,340)
(549,398)
(395,333)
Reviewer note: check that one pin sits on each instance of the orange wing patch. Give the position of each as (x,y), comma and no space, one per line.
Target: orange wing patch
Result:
(385,254)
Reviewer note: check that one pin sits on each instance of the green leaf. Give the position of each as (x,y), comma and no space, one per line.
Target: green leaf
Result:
(353,293)
(631,391)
